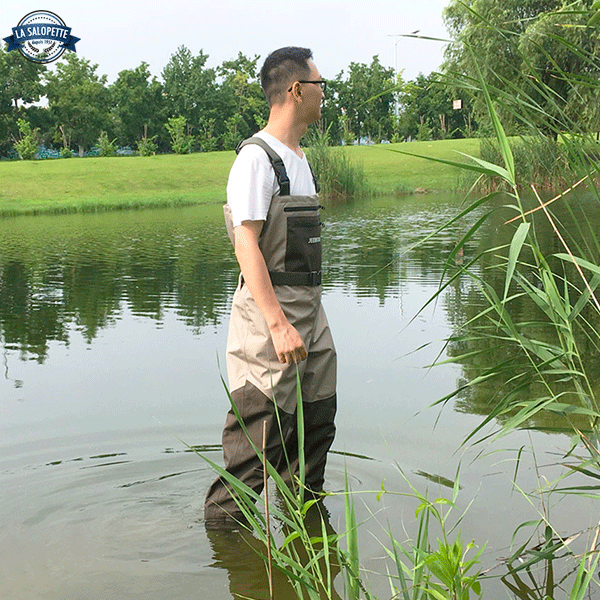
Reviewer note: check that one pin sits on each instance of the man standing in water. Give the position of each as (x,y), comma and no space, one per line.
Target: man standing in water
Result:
(278,326)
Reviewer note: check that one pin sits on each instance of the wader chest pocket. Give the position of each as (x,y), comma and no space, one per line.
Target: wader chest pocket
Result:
(303,247)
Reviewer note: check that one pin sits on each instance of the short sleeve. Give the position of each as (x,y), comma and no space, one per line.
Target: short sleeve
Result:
(251,185)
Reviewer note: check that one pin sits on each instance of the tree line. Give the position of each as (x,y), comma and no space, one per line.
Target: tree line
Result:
(540,52)
(194,107)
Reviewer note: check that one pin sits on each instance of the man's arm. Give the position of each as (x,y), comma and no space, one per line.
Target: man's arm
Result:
(288,344)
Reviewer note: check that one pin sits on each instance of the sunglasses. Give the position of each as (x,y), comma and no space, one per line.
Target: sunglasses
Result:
(320,82)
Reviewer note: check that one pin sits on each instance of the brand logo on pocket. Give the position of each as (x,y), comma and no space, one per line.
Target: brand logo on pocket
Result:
(314,240)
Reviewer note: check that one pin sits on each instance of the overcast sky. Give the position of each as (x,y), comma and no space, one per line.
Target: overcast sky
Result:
(120,34)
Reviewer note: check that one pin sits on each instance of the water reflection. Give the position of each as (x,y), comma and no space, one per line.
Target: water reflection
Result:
(83,270)
(241,554)
(82,273)
(109,320)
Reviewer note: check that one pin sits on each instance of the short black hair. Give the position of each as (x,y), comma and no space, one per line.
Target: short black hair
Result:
(280,67)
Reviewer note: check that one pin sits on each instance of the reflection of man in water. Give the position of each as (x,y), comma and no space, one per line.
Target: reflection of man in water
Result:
(240,553)
(277,322)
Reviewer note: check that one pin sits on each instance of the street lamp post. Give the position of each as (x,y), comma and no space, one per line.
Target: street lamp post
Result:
(399,36)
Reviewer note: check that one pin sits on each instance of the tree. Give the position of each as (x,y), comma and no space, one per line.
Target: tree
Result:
(366,98)
(181,143)
(138,106)
(21,78)
(427,111)
(560,62)
(20,83)
(536,53)
(487,34)
(191,89)
(245,102)
(28,144)
(78,100)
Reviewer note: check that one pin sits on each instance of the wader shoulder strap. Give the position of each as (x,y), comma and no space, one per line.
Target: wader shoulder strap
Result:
(317,186)
(278,166)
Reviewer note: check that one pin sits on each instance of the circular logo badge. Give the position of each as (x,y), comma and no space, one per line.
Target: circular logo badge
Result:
(43,36)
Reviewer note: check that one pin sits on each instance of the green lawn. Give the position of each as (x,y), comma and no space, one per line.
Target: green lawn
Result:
(386,169)
(64,185)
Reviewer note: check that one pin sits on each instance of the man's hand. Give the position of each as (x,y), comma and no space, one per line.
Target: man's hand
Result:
(288,344)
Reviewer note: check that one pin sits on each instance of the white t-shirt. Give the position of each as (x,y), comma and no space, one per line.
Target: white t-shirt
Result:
(252,182)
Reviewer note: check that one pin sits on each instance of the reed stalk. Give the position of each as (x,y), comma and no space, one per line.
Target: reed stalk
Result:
(267,511)
(554,373)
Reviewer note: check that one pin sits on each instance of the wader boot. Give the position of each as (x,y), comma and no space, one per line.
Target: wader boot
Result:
(290,242)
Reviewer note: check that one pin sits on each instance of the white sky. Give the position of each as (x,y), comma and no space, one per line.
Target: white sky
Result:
(120,34)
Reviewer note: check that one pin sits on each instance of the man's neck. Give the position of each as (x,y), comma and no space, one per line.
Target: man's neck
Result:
(283,128)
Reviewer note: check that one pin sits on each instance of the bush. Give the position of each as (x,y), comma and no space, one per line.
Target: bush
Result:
(146,146)
(27,146)
(107,148)
(181,143)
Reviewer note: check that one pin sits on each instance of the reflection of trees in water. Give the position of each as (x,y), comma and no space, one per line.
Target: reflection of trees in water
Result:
(483,346)
(368,249)
(53,281)
(28,323)
(84,271)
(61,274)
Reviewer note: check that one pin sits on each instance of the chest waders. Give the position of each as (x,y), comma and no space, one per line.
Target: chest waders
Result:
(290,242)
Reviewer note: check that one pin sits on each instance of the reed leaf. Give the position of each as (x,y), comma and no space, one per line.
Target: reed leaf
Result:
(513,255)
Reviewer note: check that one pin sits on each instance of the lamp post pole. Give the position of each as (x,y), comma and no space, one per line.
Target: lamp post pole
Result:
(399,36)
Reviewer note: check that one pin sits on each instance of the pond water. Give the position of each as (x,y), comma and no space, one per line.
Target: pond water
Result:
(112,333)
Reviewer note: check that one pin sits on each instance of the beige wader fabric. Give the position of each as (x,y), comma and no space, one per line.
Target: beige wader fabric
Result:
(291,243)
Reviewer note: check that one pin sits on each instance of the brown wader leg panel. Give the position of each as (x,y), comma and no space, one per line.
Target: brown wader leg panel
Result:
(240,458)
(319,431)
(319,405)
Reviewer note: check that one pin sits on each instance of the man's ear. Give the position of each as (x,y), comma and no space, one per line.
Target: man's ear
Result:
(296,90)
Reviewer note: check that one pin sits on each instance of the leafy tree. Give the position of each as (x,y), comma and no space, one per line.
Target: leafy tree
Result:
(539,53)
(486,34)
(138,105)
(561,63)
(21,78)
(207,136)
(246,105)
(367,99)
(181,143)
(427,110)
(191,89)
(20,83)
(28,144)
(78,100)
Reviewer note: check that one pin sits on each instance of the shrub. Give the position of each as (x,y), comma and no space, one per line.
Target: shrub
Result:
(146,146)
(181,143)
(107,148)
(27,146)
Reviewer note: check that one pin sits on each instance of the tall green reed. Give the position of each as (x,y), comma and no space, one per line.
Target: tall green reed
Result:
(556,374)
(311,554)
(340,177)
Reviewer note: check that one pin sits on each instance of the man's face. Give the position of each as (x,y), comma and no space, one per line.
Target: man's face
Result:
(312,94)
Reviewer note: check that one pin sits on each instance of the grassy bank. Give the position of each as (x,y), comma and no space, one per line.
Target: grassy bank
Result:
(387,171)
(93,184)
